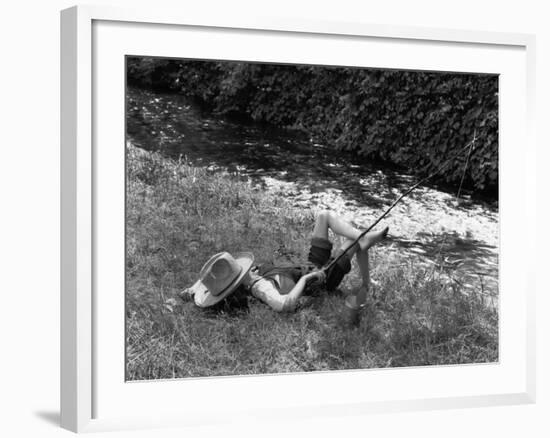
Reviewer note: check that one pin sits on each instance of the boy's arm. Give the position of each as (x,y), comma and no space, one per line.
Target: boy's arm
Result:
(291,299)
(297,291)
(266,291)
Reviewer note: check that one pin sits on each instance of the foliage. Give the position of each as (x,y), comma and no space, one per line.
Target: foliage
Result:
(179,215)
(157,73)
(411,119)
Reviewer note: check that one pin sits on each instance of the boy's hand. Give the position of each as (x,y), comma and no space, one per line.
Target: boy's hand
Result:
(316,275)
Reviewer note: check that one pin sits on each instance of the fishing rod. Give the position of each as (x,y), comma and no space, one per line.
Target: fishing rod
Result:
(470,145)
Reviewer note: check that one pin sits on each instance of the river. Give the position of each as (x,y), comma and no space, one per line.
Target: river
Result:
(433,225)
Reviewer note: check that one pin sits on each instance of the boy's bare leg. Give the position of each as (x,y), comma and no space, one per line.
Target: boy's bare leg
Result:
(328,220)
(372,238)
(351,251)
(321,225)
(363,262)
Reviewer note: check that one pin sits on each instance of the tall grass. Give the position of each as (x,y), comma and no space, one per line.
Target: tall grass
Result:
(179,215)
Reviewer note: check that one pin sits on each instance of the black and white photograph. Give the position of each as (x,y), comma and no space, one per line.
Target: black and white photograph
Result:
(265,219)
(285,218)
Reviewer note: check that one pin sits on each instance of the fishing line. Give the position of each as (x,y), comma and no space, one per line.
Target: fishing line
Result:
(439,169)
(465,167)
(444,241)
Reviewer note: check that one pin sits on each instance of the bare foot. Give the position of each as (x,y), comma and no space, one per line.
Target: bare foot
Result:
(373,238)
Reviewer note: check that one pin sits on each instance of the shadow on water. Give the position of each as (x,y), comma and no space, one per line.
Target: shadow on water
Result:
(472,258)
(170,124)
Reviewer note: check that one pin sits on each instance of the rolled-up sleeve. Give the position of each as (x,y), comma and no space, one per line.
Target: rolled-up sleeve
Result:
(266,291)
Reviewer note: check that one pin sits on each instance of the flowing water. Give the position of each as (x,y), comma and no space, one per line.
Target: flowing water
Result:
(432,225)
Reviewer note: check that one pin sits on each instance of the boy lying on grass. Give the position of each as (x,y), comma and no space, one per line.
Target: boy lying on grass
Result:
(280,287)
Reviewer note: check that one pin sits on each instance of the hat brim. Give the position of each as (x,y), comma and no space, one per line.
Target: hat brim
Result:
(203,298)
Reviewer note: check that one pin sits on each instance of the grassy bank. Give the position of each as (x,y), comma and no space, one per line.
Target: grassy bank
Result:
(179,215)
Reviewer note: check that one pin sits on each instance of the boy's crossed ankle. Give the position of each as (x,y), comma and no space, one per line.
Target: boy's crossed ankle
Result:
(373,238)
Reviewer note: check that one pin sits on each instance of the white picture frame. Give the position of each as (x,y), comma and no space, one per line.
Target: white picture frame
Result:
(88,373)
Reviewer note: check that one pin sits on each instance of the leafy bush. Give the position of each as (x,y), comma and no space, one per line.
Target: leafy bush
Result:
(408,118)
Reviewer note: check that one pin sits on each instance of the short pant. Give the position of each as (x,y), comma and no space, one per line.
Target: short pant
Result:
(320,254)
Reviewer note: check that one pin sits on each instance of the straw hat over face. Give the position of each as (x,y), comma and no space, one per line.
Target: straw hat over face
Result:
(220,276)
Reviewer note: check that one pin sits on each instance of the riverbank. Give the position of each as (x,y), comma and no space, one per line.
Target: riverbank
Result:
(431,225)
(179,214)
(412,119)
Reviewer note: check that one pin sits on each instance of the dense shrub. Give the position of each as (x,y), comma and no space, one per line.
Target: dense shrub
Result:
(411,119)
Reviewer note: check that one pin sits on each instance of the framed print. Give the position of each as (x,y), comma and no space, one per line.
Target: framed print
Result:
(253,209)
